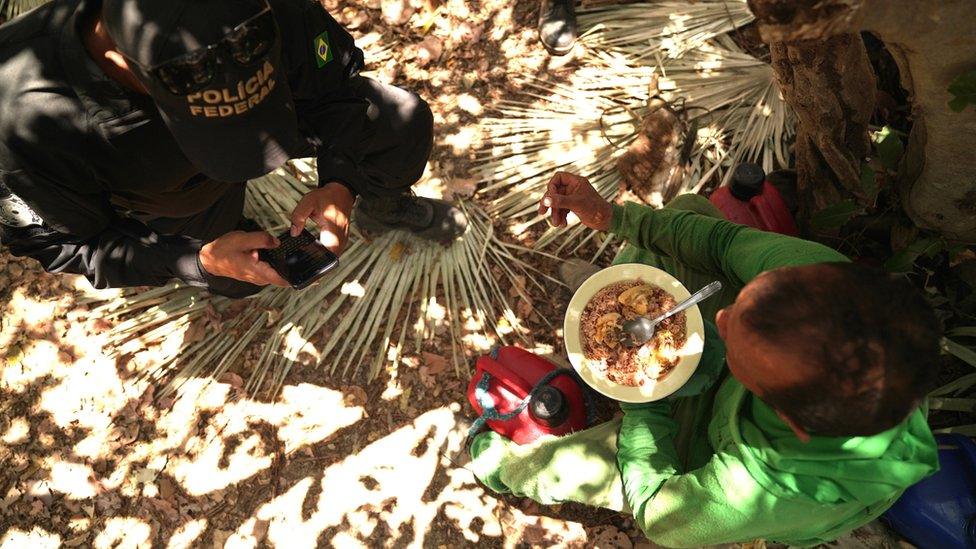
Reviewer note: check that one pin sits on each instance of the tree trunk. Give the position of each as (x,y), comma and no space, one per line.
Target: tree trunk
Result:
(933,41)
(824,82)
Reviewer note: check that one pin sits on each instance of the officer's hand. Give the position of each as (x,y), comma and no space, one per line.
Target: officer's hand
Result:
(330,208)
(235,255)
(572,193)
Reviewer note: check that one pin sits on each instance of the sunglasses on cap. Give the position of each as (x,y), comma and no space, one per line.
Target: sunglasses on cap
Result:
(247,44)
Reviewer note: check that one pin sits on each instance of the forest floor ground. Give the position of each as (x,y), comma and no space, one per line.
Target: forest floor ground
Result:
(90,457)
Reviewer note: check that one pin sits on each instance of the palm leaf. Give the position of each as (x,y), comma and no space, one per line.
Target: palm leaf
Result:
(12,8)
(956,386)
(643,30)
(585,124)
(953,404)
(959,351)
(963,331)
(967,430)
(388,294)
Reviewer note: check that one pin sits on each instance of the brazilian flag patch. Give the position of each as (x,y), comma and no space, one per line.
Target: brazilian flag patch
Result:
(323,49)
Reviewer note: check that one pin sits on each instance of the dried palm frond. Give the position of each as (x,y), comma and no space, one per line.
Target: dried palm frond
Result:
(584,125)
(643,30)
(965,430)
(555,128)
(12,8)
(388,294)
(967,405)
(734,96)
(948,396)
(956,386)
(965,354)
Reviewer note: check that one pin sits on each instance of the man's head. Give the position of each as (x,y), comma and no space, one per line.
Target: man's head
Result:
(213,68)
(836,349)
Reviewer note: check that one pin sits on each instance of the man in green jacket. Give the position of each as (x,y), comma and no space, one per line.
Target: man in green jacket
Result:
(819,428)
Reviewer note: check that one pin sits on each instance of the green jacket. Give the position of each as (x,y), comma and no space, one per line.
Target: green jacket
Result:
(761,481)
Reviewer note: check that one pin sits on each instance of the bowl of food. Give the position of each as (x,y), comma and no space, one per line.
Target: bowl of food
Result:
(593,325)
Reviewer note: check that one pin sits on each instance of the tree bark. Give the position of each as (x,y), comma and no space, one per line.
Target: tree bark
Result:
(825,82)
(933,41)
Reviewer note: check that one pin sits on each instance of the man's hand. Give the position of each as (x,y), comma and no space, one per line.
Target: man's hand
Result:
(572,193)
(330,208)
(235,255)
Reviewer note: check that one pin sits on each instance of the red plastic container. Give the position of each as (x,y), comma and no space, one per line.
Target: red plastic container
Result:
(559,409)
(749,199)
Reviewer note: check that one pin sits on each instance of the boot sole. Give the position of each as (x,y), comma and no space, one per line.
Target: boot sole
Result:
(557,52)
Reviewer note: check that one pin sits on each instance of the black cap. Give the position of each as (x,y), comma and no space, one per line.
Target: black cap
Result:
(244,124)
(747,181)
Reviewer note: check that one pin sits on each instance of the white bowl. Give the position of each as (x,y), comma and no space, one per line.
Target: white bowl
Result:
(651,390)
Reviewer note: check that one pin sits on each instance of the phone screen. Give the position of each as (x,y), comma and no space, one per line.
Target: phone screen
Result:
(301,260)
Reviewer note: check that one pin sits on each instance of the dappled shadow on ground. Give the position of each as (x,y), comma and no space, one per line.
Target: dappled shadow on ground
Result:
(91,458)
(459,56)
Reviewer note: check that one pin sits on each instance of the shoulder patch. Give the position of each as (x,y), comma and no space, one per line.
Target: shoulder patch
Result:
(14,212)
(323,49)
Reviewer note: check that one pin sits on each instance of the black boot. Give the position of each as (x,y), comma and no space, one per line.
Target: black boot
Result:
(436,220)
(557,25)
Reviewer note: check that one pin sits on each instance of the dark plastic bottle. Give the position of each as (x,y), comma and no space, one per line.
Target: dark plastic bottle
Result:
(749,199)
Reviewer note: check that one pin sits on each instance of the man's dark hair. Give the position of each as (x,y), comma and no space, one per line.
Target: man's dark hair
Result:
(871,340)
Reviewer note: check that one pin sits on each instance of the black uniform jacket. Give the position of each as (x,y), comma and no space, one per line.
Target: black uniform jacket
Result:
(86,160)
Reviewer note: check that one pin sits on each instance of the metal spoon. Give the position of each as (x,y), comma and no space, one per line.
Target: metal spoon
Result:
(638,331)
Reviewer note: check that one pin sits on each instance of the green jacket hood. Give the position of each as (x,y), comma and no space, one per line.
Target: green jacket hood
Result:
(830,470)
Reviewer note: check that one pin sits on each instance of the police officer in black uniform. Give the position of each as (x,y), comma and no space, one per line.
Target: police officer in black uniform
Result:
(128,129)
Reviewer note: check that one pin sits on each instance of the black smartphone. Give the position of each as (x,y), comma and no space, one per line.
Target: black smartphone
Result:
(301,260)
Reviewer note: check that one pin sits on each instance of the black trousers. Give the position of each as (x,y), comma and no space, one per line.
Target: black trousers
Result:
(400,139)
